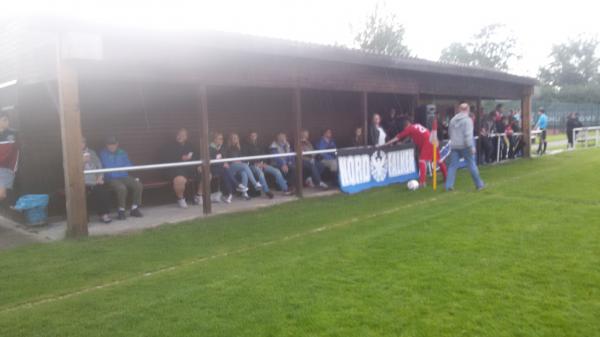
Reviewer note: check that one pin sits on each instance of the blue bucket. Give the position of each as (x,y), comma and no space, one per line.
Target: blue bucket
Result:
(35,207)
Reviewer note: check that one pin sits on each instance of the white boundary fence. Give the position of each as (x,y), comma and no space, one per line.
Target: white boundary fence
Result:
(498,136)
(581,135)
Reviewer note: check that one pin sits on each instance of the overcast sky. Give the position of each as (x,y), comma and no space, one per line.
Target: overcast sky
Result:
(430,25)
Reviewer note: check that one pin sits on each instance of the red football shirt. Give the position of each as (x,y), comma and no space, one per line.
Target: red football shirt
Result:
(420,136)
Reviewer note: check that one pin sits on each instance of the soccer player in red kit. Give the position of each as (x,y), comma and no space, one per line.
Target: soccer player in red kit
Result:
(420,135)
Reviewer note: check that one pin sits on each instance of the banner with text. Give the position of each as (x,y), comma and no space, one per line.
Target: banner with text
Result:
(367,167)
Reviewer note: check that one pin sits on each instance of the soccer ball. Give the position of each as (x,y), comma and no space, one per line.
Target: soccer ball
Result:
(413,185)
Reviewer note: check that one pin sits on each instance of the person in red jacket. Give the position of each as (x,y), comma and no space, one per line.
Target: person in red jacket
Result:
(420,136)
(9,155)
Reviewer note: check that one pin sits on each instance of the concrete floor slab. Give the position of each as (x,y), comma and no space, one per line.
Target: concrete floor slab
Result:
(163,215)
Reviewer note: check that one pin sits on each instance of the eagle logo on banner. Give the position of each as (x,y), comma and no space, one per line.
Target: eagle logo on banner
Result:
(378,165)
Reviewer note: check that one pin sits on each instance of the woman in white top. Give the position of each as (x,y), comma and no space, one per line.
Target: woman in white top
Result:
(377,135)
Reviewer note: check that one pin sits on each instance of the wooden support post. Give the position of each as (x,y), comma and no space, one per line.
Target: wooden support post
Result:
(297,125)
(204,150)
(364,105)
(526,120)
(70,128)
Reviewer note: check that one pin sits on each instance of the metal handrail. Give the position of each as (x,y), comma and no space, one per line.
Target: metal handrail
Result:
(143,167)
(313,152)
(199,162)
(249,158)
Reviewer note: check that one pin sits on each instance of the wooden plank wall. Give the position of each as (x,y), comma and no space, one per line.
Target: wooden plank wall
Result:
(143,117)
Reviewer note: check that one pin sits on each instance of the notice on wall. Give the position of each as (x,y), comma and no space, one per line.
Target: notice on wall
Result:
(367,167)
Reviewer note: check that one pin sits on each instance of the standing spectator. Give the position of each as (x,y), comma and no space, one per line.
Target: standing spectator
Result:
(98,194)
(486,126)
(112,156)
(259,168)
(359,139)
(392,123)
(572,123)
(234,150)
(498,114)
(377,134)
(326,142)
(311,167)
(221,170)
(9,155)
(542,124)
(461,145)
(180,150)
(517,116)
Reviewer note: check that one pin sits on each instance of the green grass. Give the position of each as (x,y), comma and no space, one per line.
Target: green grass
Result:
(521,258)
(556,137)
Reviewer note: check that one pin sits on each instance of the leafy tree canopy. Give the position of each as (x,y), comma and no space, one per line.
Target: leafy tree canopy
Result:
(492,47)
(382,33)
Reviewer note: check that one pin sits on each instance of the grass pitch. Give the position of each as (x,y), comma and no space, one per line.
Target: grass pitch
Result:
(521,258)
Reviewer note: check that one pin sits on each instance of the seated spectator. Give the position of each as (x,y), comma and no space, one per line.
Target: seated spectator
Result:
(285,164)
(376,134)
(180,150)
(9,154)
(260,167)
(121,182)
(221,170)
(359,139)
(97,191)
(239,168)
(326,142)
(310,166)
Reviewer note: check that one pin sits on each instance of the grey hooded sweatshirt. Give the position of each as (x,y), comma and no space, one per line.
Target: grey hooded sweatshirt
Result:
(461,131)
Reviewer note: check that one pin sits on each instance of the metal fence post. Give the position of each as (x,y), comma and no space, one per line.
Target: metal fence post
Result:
(498,149)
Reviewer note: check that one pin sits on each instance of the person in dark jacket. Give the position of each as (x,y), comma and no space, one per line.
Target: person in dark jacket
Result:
(486,126)
(239,168)
(572,123)
(260,168)
(377,134)
(393,124)
(311,168)
(180,150)
(221,170)
(112,156)
(359,139)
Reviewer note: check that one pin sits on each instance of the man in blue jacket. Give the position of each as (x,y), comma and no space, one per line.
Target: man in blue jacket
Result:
(113,157)
(326,142)
(542,124)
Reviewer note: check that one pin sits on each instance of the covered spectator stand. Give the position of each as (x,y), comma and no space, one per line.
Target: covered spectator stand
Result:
(73,80)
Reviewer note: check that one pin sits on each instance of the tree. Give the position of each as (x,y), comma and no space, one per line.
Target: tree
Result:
(382,34)
(492,47)
(573,64)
